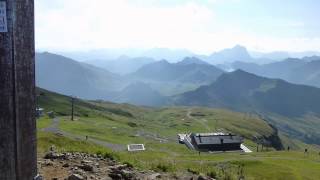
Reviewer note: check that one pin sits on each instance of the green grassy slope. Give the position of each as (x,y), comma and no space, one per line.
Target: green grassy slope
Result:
(157,128)
(293,109)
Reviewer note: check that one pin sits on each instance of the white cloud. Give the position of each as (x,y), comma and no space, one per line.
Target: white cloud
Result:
(81,24)
(97,24)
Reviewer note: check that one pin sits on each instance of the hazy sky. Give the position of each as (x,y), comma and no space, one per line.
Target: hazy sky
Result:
(201,26)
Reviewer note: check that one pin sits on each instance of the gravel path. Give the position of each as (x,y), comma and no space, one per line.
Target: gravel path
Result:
(54,128)
(201,121)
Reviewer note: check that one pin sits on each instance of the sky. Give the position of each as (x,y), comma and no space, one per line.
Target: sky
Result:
(201,26)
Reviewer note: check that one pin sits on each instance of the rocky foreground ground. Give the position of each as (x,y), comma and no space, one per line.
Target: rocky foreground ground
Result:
(81,166)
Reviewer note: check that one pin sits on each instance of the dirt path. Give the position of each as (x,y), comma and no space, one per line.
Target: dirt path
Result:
(201,121)
(54,128)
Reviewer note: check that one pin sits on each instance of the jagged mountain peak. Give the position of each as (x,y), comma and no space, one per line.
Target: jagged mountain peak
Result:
(191,60)
(236,53)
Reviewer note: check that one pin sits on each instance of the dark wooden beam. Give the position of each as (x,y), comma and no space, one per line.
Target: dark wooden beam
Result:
(17,93)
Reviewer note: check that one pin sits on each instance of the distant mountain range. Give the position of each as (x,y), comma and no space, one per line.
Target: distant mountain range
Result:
(237,53)
(174,78)
(228,55)
(280,55)
(308,73)
(192,60)
(122,65)
(189,70)
(245,91)
(301,71)
(172,55)
(64,75)
(158,78)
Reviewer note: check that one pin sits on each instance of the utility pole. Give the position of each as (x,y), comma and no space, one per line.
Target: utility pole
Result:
(216,125)
(18,157)
(72,108)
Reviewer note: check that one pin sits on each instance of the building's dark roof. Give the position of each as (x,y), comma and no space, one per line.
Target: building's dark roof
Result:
(216,139)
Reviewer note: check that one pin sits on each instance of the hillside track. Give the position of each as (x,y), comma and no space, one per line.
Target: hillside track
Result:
(54,128)
(201,121)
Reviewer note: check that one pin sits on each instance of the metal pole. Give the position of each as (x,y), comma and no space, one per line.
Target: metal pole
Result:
(72,108)
(17,90)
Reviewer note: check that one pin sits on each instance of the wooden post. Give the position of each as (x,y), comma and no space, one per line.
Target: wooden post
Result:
(17,91)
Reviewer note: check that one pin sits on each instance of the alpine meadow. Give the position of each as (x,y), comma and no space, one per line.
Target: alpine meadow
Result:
(159,89)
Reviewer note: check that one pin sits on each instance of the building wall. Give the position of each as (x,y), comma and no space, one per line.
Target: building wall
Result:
(219,147)
(216,147)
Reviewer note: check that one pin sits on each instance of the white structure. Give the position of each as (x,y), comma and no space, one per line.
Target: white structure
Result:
(39,112)
(245,149)
(136,147)
(181,137)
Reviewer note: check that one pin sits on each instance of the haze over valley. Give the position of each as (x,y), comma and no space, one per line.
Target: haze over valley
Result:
(180,83)
(285,92)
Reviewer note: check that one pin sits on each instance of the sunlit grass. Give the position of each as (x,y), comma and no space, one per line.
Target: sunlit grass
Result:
(157,129)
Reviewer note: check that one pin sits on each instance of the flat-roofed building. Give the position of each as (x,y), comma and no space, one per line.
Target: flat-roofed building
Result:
(216,142)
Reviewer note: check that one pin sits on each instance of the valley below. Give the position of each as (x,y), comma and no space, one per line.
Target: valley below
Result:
(104,128)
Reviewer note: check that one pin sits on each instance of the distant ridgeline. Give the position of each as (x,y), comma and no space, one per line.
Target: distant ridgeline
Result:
(293,109)
(300,71)
(149,85)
